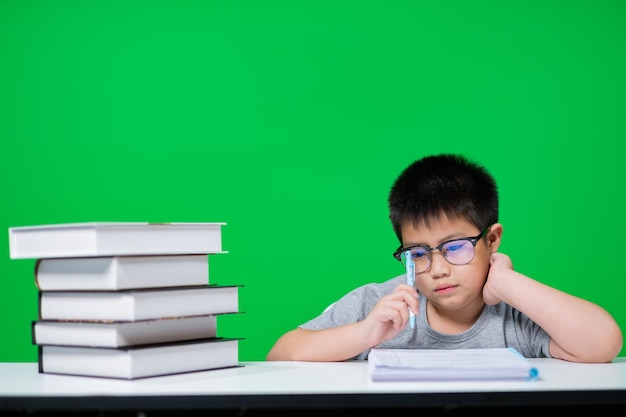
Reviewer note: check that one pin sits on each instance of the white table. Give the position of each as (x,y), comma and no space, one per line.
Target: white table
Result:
(307,385)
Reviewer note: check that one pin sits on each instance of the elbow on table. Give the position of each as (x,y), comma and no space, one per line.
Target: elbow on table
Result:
(614,343)
(605,348)
(284,348)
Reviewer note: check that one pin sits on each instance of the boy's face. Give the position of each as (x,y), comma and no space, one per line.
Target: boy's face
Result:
(448,286)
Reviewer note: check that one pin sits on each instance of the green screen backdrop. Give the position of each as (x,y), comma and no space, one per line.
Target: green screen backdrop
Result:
(289,120)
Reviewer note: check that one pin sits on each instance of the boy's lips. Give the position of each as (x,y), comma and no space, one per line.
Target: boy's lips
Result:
(444,288)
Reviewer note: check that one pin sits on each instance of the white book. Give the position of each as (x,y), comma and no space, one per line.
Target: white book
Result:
(449,365)
(140,362)
(123,334)
(121,272)
(134,305)
(114,238)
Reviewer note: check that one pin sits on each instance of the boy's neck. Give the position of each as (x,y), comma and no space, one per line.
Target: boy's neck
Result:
(453,321)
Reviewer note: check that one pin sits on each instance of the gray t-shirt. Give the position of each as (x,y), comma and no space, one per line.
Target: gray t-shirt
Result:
(498,326)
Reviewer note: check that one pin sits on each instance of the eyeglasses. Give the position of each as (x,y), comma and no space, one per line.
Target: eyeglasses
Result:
(457,252)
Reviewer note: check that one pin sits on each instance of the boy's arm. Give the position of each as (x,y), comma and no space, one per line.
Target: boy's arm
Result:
(580,331)
(329,345)
(388,317)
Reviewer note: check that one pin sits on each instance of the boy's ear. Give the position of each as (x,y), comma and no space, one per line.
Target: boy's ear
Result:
(494,237)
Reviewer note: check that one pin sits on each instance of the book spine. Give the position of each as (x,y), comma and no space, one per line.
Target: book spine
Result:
(32,333)
(40,359)
(36,271)
(39,296)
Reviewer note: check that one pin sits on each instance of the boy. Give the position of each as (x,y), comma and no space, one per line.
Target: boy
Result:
(444,211)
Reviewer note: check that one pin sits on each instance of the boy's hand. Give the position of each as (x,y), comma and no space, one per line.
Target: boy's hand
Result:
(391,314)
(499,265)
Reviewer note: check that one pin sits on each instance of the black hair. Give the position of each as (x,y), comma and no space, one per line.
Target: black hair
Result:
(443,185)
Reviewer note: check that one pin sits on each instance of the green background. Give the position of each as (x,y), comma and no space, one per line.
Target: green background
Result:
(289,120)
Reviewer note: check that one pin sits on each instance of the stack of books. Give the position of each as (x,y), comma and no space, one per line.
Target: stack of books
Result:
(127,300)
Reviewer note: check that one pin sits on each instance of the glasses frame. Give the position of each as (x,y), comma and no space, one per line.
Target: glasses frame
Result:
(397,254)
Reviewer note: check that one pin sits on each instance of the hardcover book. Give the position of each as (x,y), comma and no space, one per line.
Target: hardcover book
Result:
(121,272)
(141,361)
(114,238)
(124,333)
(140,304)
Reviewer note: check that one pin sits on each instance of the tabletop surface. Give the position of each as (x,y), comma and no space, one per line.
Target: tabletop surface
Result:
(264,383)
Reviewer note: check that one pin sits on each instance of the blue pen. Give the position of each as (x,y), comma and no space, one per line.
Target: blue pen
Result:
(410,280)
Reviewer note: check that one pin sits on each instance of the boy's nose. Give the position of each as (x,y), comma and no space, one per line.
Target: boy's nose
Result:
(438,264)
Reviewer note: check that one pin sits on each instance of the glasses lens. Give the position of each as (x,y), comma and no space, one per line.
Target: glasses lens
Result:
(458,252)
(421,258)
